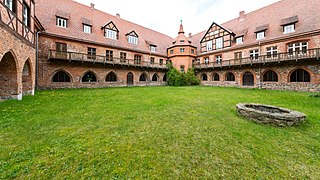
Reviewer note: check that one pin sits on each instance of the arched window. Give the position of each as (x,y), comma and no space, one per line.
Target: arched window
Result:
(204,77)
(111,77)
(270,76)
(248,79)
(215,77)
(230,77)
(155,77)
(61,76)
(300,75)
(143,77)
(89,77)
(165,77)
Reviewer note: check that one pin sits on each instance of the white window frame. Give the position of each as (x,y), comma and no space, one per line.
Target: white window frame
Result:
(219,59)
(261,35)
(254,54)
(209,46)
(219,43)
(9,4)
(87,29)
(62,22)
(25,14)
(206,60)
(239,40)
(290,28)
(153,48)
(132,39)
(294,47)
(182,50)
(273,51)
(111,34)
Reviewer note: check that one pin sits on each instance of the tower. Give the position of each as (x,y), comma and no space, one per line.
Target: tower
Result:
(182,52)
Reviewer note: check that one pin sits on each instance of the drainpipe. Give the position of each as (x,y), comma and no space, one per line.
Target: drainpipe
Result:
(260,67)
(37,61)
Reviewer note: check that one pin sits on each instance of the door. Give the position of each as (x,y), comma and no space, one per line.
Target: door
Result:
(248,79)
(129,79)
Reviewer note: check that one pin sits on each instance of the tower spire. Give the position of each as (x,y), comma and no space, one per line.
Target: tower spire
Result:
(181,28)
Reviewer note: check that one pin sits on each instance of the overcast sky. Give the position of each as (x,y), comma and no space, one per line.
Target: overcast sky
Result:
(165,15)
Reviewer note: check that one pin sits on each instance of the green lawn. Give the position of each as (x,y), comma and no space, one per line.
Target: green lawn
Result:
(156,133)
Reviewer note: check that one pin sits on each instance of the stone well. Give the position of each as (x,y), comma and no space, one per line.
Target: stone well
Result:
(265,114)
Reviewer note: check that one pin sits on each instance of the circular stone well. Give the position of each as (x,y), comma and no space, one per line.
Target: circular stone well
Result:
(266,114)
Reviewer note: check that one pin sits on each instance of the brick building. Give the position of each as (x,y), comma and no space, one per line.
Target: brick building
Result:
(17,48)
(275,47)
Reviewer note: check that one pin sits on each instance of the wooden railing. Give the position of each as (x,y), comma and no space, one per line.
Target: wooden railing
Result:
(10,19)
(280,57)
(73,56)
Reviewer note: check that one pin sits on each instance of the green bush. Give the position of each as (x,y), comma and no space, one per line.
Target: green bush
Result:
(315,95)
(176,78)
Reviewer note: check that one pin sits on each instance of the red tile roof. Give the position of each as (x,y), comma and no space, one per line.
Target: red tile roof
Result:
(272,17)
(46,11)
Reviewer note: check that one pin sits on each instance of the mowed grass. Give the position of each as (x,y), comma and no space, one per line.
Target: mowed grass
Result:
(155,133)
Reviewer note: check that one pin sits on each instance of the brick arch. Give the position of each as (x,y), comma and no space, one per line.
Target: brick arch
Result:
(89,71)
(111,80)
(213,74)
(146,77)
(267,70)
(155,77)
(27,80)
(204,77)
(58,70)
(225,76)
(312,75)
(242,77)
(9,85)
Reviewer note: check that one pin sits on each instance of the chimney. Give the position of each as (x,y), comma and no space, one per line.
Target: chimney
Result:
(242,15)
(92,6)
(118,15)
(190,35)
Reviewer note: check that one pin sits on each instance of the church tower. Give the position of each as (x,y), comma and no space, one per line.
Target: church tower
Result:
(182,52)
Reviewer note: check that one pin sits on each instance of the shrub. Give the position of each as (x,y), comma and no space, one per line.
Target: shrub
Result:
(315,95)
(176,78)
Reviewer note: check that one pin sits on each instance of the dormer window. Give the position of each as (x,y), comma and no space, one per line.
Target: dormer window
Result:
(153,48)
(181,41)
(261,35)
(87,28)
(239,40)
(288,28)
(62,22)
(111,31)
(133,37)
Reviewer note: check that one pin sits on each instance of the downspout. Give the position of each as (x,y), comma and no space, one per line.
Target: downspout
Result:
(37,57)
(259,68)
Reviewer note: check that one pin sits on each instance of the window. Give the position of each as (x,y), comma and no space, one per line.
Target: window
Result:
(123,57)
(230,77)
(87,29)
(111,34)
(61,76)
(109,55)
(11,5)
(61,49)
(216,77)
(89,77)
(153,49)
(272,51)
(61,22)
(161,62)
(254,54)
(91,53)
(132,40)
(239,40)
(299,47)
(300,75)
(270,76)
(219,59)
(181,50)
(152,60)
(219,43)
(164,78)
(206,60)
(192,51)
(171,51)
(155,77)
(204,77)
(111,77)
(137,59)
(289,28)
(26,15)
(209,46)
(181,41)
(238,55)
(181,68)
(143,77)
(261,35)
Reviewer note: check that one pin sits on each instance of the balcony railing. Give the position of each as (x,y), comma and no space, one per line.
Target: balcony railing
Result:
(10,19)
(280,57)
(81,57)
